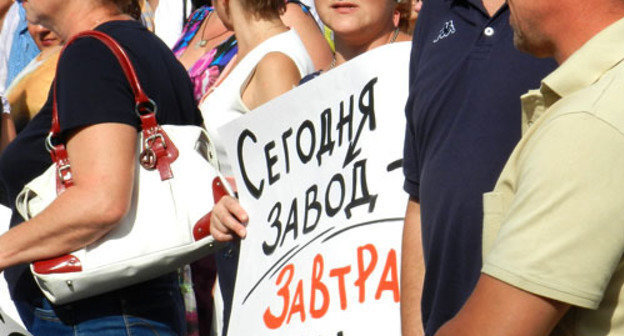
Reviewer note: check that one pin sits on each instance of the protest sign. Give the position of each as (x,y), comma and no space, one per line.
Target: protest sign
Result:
(319,172)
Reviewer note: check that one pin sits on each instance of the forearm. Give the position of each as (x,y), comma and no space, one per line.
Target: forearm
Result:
(412,273)
(76,218)
(7,130)
(496,308)
(103,165)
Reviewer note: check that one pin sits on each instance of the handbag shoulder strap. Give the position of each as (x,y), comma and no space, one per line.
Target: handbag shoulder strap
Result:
(158,151)
(141,100)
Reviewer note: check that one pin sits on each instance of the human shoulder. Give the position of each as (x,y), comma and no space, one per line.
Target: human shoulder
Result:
(85,52)
(276,63)
(601,100)
(275,74)
(608,103)
(278,71)
(567,188)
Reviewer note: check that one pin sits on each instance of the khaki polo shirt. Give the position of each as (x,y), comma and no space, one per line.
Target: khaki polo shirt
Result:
(554,224)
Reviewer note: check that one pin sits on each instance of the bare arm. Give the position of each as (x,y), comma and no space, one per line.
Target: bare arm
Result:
(103,160)
(7,130)
(275,74)
(497,308)
(310,34)
(412,272)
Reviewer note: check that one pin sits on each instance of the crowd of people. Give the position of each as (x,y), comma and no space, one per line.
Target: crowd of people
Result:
(513,224)
(230,57)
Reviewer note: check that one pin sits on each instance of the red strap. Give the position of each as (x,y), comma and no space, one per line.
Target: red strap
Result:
(140,97)
(163,150)
(201,229)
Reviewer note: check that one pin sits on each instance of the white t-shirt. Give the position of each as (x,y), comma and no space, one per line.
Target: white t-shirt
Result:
(169,20)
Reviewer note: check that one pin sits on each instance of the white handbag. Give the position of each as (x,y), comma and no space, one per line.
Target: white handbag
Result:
(167,226)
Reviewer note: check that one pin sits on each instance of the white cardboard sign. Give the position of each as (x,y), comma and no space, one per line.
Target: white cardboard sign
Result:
(319,172)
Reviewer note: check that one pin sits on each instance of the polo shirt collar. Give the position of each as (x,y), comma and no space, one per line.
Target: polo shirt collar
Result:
(477,4)
(585,66)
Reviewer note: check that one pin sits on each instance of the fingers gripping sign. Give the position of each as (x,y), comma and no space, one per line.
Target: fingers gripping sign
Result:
(228,219)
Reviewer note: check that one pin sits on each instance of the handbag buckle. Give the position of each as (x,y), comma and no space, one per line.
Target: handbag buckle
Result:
(152,138)
(64,177)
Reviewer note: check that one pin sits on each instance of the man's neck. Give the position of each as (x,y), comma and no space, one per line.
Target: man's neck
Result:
(492,6)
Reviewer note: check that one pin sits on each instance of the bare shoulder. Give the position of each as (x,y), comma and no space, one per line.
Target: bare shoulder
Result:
(277,64)
(274,75)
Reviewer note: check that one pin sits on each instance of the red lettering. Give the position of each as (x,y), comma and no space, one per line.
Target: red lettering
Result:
(297,304)
(340,273)
(365,272)
(318,285)
(270,320)
(392,284)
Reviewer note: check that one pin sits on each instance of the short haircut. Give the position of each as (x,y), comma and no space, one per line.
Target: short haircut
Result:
(130,7)
(265,8)
(405,9)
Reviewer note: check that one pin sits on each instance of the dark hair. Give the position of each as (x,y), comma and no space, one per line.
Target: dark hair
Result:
(265,8)
(130,7)
(405,9)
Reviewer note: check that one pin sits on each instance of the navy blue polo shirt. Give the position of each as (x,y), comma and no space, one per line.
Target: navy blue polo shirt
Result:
(463,121)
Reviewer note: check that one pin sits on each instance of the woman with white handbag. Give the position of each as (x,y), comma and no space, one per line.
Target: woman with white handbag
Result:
(96,106)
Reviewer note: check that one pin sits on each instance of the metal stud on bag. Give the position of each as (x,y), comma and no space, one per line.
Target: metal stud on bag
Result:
(148,159)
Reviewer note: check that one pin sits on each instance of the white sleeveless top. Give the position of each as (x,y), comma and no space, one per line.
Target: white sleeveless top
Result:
(225,103)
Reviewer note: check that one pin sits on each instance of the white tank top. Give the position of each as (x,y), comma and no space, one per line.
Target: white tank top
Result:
(225,103)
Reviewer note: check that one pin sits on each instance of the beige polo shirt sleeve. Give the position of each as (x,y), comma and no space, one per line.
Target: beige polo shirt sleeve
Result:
(563,235)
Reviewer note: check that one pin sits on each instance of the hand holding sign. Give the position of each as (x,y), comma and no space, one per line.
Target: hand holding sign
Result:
(228,220)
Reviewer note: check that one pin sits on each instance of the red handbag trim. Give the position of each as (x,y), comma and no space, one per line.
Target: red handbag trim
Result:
(64,264)
(201,229)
